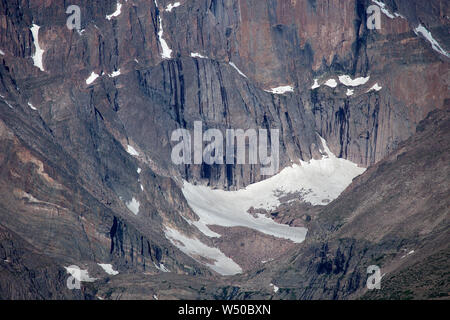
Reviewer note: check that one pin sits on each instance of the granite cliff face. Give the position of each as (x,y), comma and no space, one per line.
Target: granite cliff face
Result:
(86,175)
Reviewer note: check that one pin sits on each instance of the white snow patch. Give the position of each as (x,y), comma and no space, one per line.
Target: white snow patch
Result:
(166,51)
(375,87)
(161,267)
(108,268)
(347,81)
(91,78)
(275,288)
(408,254)
(114,74)
(7,103)
(132,151)
(384,9)
(195,249)
(31,106)
(2,53)
(79,274)
(281,90)
(197,55)
(142,187)
(317,182)
(237,69)
(155,297)
(434,44)
(115,13)
(133,206)
(139,170)
(331,83)
(170,6)
(38,53)
(350,92)
(315,85)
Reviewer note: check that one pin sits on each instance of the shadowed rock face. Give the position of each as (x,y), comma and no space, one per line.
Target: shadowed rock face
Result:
(274,43)
(66,180)
(378,220)
(26,273)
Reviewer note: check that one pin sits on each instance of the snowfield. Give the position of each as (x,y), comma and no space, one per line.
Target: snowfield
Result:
(195,248)
(317,182)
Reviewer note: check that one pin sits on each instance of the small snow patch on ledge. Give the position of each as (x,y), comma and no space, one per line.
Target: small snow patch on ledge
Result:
(281,90)
(349,82)
(383,9)
(315,85)
(1,52)
(197,55)
(161,267)
(350,92)
(114,74)
(31,106)
(115,13)
(408,254)
(108,268)
(375,87)
(133,206)
(170,6)
(237,69)
(132,151)
(166,51)
(91,78)
(38,53)
(79,274)
(194,248)
(331,83)
(434,44)
(7,103)
(275,288)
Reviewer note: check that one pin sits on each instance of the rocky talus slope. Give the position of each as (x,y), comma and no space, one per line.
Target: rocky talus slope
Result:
(378,220)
